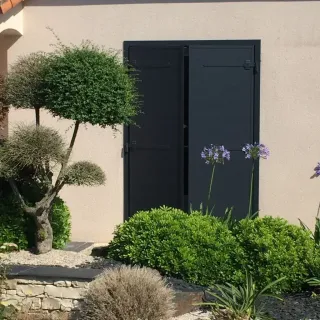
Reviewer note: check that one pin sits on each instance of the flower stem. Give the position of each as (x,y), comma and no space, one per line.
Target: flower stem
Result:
(210,187)
(251,191)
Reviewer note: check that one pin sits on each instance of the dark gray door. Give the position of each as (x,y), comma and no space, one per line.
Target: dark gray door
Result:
(155,146)
(221,111)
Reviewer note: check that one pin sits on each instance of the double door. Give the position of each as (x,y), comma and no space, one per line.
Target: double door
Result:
(193,94)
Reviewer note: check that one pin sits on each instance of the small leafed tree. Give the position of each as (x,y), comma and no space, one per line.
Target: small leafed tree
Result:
(3,107)
(85,84)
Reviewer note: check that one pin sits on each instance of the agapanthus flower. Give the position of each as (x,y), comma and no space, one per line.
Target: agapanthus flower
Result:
(317,169)
(256,151)
(215,154)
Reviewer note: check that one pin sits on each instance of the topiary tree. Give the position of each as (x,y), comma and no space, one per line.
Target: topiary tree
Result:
(84,83)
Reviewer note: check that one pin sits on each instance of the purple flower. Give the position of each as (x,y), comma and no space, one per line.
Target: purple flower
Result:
(215,154)
(317,169)
(256,151)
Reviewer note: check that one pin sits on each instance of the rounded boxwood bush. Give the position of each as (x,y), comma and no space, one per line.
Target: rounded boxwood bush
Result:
(18,228)
(273,249)
(197,248)
(89,84)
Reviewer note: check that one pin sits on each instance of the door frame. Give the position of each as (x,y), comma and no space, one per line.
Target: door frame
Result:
(256,107)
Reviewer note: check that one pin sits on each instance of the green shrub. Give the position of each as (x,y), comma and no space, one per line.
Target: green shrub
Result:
(274,249)
(88,84)
(197,248)
(18,228)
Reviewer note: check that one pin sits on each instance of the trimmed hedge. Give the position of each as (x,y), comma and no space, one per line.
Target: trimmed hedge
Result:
(200,249)
(273,249)
(17,227)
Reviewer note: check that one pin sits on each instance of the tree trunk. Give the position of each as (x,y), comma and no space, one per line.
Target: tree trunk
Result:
(44,236)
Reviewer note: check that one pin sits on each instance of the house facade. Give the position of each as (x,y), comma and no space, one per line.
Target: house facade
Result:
(222,72)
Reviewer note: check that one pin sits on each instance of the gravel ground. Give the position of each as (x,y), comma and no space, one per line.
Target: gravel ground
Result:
(56,258)
(294,307)
(197,315)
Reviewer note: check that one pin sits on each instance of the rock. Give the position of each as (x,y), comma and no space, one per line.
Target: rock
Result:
(11,302)
(76,304)
(80,284)
(51,304)
(99,251)
(60,284)
(187,301)
(35,303)
(66,304)
(30,290)
(10,246)
(36,282)
(65,293)
(10,284)
(11,292)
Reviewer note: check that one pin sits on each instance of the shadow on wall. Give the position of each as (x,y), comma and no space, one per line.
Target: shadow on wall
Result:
(14,11)
(106,2)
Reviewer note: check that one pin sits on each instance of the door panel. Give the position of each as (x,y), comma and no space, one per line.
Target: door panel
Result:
(156,144)
(221,99)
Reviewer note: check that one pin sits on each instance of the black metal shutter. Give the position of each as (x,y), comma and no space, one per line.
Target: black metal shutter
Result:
(154,149)
(221,101)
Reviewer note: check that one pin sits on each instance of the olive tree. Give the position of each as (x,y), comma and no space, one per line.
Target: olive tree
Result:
(86,84)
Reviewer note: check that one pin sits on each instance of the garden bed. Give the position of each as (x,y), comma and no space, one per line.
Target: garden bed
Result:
(68,269)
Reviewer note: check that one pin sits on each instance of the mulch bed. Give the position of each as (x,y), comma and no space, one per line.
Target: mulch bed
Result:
(300,306)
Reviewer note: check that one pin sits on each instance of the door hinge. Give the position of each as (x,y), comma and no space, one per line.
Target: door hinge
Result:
(248,64)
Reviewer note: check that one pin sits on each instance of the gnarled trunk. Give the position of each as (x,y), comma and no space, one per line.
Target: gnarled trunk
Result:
(44,236)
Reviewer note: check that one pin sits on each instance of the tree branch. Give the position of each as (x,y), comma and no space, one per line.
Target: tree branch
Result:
(18,195)
(37,111)
(54,190)
(67,157)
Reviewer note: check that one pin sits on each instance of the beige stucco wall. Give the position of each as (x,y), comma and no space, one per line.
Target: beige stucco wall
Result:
(290,90)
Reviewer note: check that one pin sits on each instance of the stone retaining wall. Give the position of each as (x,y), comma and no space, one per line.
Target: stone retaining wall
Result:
(59,290)
(47,295)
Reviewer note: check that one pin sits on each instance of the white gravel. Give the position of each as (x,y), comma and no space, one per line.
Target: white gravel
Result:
(196,315)
(56,258)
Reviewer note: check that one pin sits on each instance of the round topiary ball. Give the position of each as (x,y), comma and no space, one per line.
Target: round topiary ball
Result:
(194,247)
(273,248)
(128,293)
(90,85)
(23,84)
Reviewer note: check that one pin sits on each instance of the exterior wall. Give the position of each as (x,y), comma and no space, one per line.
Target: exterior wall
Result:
(12,22)
(290,95)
